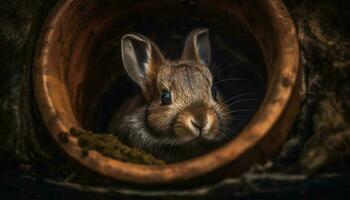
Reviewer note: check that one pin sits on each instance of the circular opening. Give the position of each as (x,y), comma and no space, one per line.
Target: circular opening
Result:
(80,81)
(237,65)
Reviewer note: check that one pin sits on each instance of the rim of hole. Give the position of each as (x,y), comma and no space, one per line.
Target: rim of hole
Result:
(270,124)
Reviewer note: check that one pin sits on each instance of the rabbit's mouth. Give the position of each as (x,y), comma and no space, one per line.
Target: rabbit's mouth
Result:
(202,126)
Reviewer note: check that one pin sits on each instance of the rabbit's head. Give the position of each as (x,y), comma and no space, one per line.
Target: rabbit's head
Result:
(182,102)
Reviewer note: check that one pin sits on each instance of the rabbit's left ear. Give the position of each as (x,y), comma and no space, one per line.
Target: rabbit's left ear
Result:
(197,47)
(142,59)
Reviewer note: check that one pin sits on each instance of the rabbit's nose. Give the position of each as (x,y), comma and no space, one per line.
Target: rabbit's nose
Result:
(198,126)
(200,119)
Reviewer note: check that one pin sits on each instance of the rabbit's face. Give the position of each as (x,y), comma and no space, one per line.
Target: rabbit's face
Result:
(186,106)
(183,104)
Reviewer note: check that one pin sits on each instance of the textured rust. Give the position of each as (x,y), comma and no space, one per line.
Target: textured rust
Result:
(84,153)
(286,82)
(63,137)
(60,67)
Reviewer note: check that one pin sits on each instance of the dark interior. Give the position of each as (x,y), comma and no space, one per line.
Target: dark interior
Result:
(235,55)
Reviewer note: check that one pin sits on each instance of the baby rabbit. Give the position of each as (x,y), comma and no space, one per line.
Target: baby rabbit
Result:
(179,114)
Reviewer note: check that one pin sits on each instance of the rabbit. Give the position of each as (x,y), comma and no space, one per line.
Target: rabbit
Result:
(180,114)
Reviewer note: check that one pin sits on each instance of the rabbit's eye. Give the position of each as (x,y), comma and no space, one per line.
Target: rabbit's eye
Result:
(214,93)
(165,97)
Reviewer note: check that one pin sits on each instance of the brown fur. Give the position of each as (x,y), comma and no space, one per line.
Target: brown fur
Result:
(146,123)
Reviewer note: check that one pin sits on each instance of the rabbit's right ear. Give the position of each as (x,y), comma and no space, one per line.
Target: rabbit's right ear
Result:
(141,59)
(197,47)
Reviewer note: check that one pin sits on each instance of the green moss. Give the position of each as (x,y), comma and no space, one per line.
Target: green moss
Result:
(109,145)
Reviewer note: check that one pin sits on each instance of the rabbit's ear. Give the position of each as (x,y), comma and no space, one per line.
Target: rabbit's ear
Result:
(141,59)
(197,47)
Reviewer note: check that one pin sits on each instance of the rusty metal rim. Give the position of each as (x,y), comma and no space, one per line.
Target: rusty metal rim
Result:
(256,130)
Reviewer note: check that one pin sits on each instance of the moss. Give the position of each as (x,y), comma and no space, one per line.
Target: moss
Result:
(109,145)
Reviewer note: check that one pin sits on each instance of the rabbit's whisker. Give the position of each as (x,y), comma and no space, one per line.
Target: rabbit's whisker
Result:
(216,66)
(243,100)
(224,135)
(235,111)
(222,69)
(231,79)
(240,95)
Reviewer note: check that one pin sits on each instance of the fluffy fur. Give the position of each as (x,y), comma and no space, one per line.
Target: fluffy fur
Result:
(193,123)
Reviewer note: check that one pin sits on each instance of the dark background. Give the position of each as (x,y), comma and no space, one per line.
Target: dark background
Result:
(320,139)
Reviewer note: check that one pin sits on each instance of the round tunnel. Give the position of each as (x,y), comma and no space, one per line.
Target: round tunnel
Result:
(71,75)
